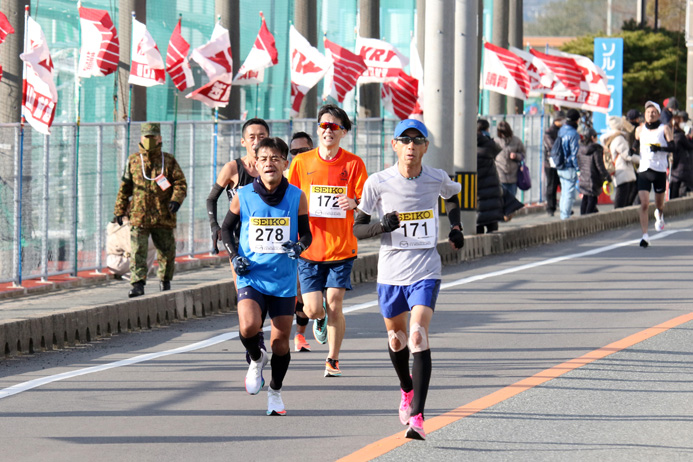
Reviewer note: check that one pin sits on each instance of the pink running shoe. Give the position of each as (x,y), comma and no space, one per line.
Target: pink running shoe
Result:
(405,406)
(416,430)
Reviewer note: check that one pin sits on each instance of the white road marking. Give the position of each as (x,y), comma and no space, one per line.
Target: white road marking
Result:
(25,386)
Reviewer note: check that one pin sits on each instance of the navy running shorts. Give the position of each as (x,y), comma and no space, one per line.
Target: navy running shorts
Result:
(269,304)
(395,300)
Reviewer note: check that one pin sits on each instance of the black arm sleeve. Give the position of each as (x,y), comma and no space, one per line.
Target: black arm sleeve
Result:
(227,233)
(212,205)
(304,231)
(452,205)
(363,228)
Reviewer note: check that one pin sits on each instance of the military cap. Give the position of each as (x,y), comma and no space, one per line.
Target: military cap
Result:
(151,129)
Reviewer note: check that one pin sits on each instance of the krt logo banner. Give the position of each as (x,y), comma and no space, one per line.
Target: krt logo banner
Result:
(40,95)
(147,68)
(308,67)
(384,61)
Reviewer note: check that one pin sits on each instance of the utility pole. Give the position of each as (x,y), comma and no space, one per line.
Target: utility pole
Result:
(641,15)
(466,100)
(230,20)
(501,9)
(689,64)
(369,27)
(439,82)
(306,23)
(138,104)
(11,85)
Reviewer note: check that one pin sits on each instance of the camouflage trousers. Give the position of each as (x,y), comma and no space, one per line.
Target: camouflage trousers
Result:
(165,244)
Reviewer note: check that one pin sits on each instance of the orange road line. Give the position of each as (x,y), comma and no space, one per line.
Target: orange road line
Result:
(389,443)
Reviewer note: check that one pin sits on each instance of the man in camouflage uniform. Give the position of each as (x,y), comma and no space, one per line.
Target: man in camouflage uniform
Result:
(157,186)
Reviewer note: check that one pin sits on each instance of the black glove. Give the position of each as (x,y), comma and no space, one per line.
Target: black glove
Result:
(293,249)
(655,148)
(118,219)
(173,206)
(457,238)
(390,222)
(241,265)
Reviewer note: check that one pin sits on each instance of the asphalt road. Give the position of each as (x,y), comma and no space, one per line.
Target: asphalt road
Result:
(498,321)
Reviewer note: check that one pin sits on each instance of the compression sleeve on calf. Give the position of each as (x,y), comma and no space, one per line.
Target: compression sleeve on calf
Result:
(304,231)
(363,228)
(227,233)
(452,206)
(212,204)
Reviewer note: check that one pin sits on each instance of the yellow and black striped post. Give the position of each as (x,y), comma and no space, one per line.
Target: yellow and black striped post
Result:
(467,195)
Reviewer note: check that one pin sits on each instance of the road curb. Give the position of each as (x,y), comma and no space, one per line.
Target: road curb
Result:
(84,324)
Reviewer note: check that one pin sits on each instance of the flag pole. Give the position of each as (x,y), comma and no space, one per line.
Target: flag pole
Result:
(130,87)
(216,134)
(75,223)
(19,167)
(175,104)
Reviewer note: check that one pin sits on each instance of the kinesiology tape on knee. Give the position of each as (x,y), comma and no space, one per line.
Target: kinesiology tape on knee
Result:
(397,340)
(418,340)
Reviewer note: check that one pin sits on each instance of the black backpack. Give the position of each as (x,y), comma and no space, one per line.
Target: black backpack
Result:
(557,155)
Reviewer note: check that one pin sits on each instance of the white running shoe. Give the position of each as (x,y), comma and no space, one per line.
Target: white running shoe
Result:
(253,379)
(275,405)
(659,220)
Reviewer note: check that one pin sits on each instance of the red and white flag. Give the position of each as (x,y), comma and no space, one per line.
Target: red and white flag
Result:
(215,59)
(5,27)
(308,66)
(342,75)
(591,94)
(177,64)
(263,55)
(504,72)
(384,61)
(400,96)
(39,96)
(5,30)
(100,49)
(564,68)
(541,77)
(147,68)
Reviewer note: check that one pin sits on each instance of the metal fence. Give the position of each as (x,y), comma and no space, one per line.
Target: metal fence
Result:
(57,198)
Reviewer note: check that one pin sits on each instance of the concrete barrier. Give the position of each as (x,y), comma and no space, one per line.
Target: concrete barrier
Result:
(84,324)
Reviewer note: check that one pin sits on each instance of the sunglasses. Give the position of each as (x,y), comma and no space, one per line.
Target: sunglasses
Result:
(295,152)
(418,140)
(332,126)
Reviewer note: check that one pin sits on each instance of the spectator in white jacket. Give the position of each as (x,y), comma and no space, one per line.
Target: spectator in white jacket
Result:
(624,178)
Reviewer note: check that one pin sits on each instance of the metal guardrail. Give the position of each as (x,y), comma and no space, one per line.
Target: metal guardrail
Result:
(57,192)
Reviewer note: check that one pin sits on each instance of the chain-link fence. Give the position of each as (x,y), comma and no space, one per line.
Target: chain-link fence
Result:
(61,190)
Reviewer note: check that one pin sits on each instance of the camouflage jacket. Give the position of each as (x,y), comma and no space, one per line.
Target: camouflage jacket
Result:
(149,201)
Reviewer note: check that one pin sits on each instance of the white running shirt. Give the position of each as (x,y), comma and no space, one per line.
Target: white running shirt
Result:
(657,161)
(408,254)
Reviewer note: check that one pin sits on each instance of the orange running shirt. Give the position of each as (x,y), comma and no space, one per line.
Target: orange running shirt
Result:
(320,179)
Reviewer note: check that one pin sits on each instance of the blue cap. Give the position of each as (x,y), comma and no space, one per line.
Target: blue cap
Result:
(410,123)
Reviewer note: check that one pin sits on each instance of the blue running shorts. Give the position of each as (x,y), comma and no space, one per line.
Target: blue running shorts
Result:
(316,277)
(395,300)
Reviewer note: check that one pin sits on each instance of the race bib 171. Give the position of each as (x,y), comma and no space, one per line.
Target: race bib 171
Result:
(417,230)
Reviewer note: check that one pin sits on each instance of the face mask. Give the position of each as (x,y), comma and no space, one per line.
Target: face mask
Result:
(486,133)
(149,144)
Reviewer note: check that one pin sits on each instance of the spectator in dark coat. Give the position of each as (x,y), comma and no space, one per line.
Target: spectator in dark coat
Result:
(489,189)
(552,180)
(682,162)
(592,171)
